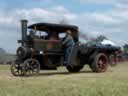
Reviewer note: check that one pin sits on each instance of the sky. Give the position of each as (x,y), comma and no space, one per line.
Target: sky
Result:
(94,18)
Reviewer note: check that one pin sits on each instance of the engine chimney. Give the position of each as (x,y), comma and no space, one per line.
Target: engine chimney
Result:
(23,30)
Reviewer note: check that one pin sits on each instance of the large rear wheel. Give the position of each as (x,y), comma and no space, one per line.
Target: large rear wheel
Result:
(74,68)
(100,63)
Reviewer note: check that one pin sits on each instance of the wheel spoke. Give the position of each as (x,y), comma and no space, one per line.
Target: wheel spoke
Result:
(31,67)
(16,70)
(102,63)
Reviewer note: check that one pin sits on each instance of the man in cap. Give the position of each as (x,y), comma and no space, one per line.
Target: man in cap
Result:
(68,43)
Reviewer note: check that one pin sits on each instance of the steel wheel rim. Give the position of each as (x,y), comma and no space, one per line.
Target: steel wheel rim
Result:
(16,70)
(102,64)
(29,67)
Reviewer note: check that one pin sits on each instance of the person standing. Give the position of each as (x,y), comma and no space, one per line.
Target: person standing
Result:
(68,42)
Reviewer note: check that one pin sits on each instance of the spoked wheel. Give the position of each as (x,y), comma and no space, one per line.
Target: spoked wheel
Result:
(100,63)
(17,69)
(31,67)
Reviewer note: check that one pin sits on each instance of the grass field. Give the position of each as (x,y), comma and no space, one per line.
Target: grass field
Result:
(60,83)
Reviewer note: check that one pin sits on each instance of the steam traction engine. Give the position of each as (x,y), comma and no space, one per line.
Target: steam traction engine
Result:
(41,49)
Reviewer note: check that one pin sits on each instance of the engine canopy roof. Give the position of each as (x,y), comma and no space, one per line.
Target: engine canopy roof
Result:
(51,27)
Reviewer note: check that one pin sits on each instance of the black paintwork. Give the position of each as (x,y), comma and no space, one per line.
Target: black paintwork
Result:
(53,27)
(85,53)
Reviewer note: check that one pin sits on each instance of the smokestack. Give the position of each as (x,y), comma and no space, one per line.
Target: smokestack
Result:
(23,30)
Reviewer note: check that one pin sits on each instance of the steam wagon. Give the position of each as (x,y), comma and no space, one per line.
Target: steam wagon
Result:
(41,49)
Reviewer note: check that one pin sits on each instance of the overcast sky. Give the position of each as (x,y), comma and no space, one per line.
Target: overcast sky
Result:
(94,17)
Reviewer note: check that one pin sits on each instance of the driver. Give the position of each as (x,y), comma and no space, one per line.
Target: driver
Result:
(68,42)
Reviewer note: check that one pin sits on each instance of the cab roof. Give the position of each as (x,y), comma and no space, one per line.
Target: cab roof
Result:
(53,27)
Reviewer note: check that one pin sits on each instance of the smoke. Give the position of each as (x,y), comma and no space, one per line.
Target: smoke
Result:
(86,36)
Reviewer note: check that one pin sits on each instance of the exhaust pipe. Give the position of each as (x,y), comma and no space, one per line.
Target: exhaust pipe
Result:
(23,30)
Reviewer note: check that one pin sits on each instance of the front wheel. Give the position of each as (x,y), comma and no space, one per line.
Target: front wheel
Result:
(100,63)
(31,67)
(17,69)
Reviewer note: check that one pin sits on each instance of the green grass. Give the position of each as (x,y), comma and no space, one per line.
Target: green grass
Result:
(114,82)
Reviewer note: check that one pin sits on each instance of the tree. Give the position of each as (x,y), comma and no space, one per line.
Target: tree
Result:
(101,38)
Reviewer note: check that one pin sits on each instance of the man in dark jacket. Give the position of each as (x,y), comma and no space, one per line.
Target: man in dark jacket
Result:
(68,43)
